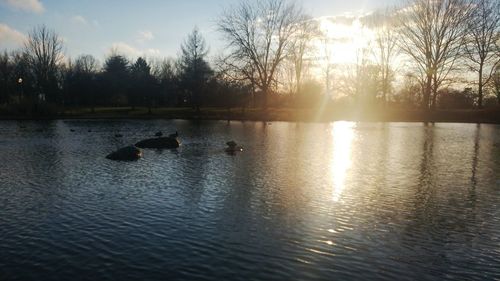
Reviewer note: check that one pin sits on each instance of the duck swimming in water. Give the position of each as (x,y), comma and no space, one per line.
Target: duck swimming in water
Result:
(233,147)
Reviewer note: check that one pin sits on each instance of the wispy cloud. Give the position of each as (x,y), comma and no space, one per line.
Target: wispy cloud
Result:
(10,38)
(34,6)
(127,50)
(79,20)
(144,36)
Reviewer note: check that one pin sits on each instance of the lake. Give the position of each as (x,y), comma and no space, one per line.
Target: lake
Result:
(303,201)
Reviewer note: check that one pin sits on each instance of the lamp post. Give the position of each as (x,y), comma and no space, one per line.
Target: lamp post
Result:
(20,82)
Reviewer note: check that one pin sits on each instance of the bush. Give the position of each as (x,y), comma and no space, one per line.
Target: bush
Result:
(30,107)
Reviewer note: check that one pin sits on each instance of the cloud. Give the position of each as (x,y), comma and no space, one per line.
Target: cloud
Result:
(79,20)
(34,6)
(144,36)
(10,38)
(125,49)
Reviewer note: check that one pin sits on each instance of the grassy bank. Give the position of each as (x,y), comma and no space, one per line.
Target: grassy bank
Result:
(273,114)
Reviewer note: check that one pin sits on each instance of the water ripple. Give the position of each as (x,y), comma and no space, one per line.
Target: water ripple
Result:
(303,202)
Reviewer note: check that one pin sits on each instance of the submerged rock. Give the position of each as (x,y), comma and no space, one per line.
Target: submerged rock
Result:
(159,143)
(129,153)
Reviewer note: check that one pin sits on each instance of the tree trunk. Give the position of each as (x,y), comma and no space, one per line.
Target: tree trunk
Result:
(480,88)
(427,93)
(265,93)
(434,97)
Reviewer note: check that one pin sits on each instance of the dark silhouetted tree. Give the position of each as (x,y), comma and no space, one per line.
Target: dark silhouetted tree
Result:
(6,79)
(143,84)
(482,46)
(44,51)
(116,79)
(166,73)
(195,71)
(495,83)
(431,33)
(259,35)
(81,86)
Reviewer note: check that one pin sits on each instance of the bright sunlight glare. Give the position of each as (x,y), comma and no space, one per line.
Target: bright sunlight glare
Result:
(343,135)
(343,42)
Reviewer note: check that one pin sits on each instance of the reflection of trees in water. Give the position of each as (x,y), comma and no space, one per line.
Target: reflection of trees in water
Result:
(271,197)
(443,214)
(471,194)
(423,237)
(475,157)
(33,174)
(195,163)
(425,187)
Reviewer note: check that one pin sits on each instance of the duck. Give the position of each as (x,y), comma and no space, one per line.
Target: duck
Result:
(233,147)
(72,130)
(118,136)
(158,134)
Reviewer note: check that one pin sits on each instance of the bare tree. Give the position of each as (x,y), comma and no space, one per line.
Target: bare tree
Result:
(431,34)
(360,80)
(326,58)
(301,46)
(495,83)
(411,92)
(195,70)
(259,36)
(481,48)
(86,64)
(385,51)
(44,50)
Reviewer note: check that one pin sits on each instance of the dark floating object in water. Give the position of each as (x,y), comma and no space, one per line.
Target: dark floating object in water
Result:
(129,153)
(118,136)
(22,127)
(72,130)
(158,134)
(176,135)
(90,131)
(233,147)
(159,143)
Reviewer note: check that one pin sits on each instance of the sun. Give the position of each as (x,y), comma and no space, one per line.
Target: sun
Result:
(342,42)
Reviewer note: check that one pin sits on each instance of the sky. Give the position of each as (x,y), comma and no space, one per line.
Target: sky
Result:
(151,28)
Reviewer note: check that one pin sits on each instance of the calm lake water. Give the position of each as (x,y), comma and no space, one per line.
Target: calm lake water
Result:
(339,201)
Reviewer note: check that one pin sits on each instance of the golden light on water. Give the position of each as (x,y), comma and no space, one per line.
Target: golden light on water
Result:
(342,136)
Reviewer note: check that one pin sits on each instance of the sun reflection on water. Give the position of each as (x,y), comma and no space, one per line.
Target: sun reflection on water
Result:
(342,136)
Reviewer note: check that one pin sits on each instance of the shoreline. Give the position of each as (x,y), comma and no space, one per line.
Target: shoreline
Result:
(486,116)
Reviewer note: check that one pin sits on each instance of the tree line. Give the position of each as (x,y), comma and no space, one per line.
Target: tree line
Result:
(424,54)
